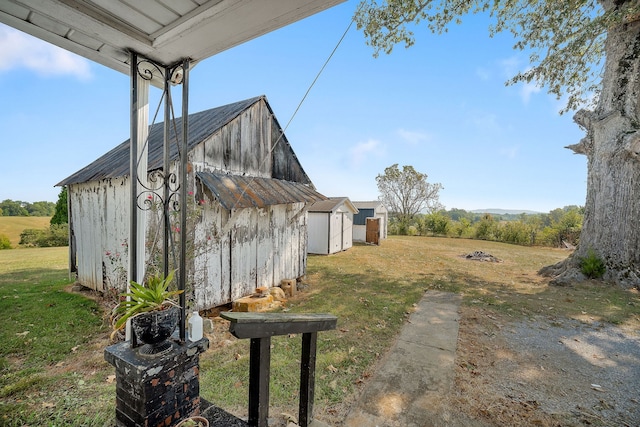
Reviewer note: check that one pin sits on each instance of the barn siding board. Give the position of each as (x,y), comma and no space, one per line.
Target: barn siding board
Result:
(264,167)
(250,143)
(212,153)
(302,249)
(197,156)
(264,247)
(225,258)
(234,250)
(207,264)
(243,262)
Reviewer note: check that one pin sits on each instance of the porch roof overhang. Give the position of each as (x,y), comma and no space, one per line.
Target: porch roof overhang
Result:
(106,31)
(238,192)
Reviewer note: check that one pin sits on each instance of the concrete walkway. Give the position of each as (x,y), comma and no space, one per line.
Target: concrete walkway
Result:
(405,391)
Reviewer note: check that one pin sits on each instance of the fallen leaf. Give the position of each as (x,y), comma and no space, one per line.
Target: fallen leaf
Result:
(111,379)
(22,334)
(332,368)
(48,405)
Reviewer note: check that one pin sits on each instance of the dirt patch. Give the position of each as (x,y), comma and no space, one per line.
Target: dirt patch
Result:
(546,371)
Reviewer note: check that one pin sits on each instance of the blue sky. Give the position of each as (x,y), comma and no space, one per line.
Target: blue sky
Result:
(440,106)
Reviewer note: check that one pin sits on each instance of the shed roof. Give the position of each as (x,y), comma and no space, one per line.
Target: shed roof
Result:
(373,204)
(115,163)
(332,204)
(237,192)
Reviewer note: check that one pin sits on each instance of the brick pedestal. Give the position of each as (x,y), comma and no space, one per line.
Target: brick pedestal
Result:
(156,390)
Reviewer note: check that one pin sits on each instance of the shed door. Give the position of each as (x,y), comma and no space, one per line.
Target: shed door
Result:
(347,231)
(373,231)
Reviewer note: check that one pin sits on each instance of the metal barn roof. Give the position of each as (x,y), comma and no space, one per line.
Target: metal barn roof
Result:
(115,163)
(237,192)
(166,32)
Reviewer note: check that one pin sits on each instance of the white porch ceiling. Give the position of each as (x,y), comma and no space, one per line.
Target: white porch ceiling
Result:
(166,31)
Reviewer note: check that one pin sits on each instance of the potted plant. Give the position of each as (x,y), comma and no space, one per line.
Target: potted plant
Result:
(153,312)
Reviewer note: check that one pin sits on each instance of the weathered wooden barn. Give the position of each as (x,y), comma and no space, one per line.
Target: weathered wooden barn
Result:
(331,225)
(370,223)
(248,201)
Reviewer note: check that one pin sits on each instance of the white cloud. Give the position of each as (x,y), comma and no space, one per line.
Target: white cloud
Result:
(483,73)
(511,66)
(509,153)
(486,122)
(527,90)
(361,151)
(18,50)
(413,137)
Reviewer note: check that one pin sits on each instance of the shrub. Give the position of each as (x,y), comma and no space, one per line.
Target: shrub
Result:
(29,236)
(486,228)
(5,243)
(55,235)
(592,265)
(461,228)
(436,224)
(516,232)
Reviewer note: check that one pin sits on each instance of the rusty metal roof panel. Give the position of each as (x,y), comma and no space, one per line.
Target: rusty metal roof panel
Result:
(238,192)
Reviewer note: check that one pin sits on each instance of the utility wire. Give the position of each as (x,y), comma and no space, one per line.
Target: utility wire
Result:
(298,107)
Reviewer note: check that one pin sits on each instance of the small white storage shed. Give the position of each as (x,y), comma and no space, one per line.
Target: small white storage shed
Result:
(370,223)
(330,226)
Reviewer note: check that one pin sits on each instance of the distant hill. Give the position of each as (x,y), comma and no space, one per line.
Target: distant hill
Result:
(504,211)
(12,226)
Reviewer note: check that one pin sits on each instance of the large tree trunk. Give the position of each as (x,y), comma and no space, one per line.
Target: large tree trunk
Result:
(612,145)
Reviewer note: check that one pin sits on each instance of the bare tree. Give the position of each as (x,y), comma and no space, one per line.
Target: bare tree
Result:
(406,192)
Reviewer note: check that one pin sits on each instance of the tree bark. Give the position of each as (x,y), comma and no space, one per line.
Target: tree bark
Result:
(611,224)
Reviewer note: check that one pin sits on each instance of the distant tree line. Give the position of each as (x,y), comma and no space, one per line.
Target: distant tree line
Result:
(10,207)
(56,235)
(558,228)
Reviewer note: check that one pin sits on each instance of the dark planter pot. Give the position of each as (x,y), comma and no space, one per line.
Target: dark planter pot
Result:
(154,327)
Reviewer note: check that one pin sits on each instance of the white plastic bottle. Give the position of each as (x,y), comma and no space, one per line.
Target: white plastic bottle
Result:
(195,327)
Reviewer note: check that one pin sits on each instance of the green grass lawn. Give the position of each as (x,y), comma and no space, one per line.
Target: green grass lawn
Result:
(52,366)
(44,328)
